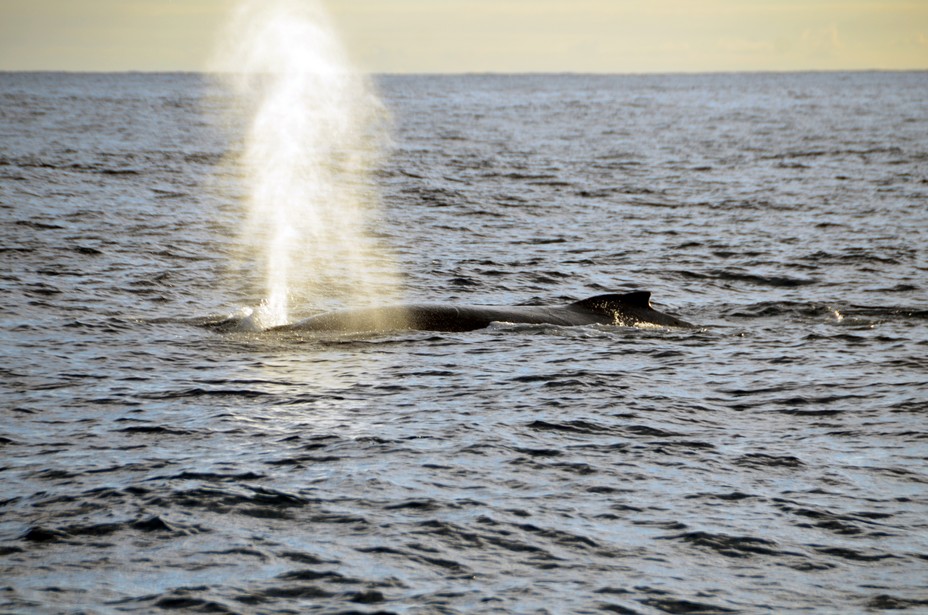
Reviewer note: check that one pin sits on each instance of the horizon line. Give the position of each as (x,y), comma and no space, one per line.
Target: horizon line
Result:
(477,73)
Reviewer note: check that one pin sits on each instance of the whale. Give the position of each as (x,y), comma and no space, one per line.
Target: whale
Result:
(628,309)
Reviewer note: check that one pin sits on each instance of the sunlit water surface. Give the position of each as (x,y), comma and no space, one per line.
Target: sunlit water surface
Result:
(772,460)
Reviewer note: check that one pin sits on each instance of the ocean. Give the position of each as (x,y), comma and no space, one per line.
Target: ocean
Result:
(772,460)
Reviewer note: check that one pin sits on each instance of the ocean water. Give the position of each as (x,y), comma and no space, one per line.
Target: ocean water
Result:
(774,459)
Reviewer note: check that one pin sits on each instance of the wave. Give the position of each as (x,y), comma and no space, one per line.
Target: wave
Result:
(834,312)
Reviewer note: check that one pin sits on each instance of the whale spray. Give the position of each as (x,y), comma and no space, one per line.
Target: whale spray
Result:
(316,133)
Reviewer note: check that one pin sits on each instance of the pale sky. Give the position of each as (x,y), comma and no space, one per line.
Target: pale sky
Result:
(452,36)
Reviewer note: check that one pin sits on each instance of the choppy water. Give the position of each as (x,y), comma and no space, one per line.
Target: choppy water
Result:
(773,460)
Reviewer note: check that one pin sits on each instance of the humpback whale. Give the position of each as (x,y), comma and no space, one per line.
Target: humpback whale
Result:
(612,309)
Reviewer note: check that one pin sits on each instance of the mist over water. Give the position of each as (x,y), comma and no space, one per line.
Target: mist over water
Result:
(316,133)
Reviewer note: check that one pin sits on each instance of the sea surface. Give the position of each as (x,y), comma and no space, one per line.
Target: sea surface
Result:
(772,460)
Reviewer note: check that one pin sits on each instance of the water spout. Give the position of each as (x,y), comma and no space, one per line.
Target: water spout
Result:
(317,131)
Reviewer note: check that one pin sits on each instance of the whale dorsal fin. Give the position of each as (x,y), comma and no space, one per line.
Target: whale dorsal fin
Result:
(599,303)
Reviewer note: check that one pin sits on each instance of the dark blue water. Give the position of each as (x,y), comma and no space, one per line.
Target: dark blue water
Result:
(772,460)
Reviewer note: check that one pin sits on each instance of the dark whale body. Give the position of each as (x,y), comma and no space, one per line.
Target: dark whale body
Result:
(613,309)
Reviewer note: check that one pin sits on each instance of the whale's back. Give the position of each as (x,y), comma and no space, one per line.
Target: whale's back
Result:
(432,317)
(620,309)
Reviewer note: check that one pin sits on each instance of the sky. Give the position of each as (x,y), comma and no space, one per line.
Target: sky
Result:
(454,36)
